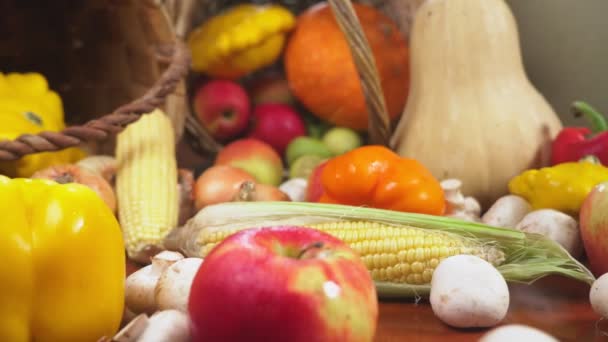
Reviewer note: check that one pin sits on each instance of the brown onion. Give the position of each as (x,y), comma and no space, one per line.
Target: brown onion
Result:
(251,191)
(71,173)
(218,184)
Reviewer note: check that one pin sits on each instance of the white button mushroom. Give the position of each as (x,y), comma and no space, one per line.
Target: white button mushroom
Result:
(555,225)
(295,188)
(516,332)
(467,292)
(173,288)
(507,211)
(598,295)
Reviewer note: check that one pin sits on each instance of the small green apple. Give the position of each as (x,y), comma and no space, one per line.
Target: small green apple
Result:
(304,165)
(304,145)
(340,140)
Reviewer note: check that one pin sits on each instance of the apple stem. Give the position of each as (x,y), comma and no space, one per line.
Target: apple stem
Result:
(312,246)
(228,114)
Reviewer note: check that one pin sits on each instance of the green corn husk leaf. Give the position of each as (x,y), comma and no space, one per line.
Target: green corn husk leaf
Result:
(527,256)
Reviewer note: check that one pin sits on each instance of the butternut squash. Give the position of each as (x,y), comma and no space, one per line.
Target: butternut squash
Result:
(472,113)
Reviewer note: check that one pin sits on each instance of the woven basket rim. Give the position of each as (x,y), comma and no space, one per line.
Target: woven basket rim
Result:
(101,128)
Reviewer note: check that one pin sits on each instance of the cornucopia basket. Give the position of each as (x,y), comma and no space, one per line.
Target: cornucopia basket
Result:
(125,58)
(112,61)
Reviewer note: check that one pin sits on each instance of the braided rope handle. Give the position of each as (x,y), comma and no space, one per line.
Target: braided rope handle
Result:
(379,122)
(178,57)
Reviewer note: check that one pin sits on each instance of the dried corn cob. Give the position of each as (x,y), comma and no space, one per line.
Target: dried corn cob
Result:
(400,249)
(146,184)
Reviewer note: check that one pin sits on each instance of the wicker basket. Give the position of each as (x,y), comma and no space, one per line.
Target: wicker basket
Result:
(102,56)
(110,61)
(401,12)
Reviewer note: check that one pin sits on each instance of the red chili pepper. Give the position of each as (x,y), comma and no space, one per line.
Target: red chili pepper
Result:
(574,143)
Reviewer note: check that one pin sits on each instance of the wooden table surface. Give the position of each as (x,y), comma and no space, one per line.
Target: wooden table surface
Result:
(560,306)
(557,305)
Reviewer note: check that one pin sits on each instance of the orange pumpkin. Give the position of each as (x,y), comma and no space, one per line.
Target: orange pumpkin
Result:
(322,74)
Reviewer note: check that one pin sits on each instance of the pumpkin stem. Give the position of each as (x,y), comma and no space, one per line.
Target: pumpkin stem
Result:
(597,120)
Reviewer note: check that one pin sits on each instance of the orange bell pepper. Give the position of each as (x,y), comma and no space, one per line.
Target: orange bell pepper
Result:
(377,177)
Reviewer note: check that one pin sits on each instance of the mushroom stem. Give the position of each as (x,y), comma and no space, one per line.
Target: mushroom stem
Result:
(140,285)
(173,287)
(459,206)
(165,326)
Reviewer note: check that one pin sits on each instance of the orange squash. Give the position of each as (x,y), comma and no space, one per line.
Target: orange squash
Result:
(322,74)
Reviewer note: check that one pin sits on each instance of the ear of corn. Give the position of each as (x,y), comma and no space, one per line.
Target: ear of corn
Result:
(401,250)
(146,181)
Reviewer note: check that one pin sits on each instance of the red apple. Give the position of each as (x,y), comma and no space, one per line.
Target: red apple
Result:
(593,219)
(277,125)
(271,88)
(254,156)
(314,188)
(223,107)
(283,284)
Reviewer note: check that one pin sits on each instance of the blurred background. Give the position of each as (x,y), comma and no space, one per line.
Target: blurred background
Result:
(565,49)
(564,44)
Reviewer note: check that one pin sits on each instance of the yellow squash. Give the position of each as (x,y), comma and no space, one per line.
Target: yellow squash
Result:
(240,40)
(562,187)
(63,270)
(27,105)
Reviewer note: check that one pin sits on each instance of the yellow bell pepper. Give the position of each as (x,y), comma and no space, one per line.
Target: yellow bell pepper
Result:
(27,105)
(562,187)
(63,263)
(240,40)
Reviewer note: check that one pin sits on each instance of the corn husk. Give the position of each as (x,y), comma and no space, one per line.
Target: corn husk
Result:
(527,256)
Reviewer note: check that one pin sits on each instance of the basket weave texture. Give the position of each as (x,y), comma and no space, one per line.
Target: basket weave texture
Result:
(110,61)
(122,58)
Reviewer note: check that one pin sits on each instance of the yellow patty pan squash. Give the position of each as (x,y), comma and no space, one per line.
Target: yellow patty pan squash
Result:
(28,106)
(63,274)
(240,40)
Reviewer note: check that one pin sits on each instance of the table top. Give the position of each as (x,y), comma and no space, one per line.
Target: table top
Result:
(556,305)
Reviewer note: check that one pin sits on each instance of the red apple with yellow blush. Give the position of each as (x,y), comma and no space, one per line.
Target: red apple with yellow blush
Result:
(593,220)
(283,283)
(256,157)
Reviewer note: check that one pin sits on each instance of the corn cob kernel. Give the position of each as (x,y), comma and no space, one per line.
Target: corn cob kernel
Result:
(398,254)
(405,254)
(146,181)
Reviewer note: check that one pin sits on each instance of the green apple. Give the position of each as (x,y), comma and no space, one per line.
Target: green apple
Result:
(304,145)
(340,140)
(304,165)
